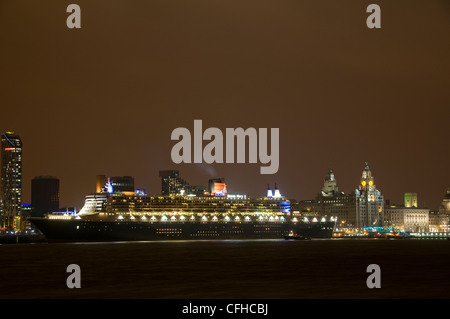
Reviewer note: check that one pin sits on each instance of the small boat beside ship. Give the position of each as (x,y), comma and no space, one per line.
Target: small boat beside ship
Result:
(292,236)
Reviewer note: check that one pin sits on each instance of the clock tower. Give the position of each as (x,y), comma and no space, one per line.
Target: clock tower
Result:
(370,201)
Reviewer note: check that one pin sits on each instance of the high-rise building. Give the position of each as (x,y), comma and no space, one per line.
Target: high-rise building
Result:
(370,202)
(44,195)
(11,175)
(172,183)
(331,202)
(364,207)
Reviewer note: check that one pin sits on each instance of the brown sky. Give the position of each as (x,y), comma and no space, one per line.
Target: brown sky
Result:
(104,99)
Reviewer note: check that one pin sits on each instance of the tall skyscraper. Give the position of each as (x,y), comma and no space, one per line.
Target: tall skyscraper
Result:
(44,195)
(11,174)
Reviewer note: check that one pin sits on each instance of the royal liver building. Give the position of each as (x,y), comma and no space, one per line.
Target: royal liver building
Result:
(364,207)
(370,202)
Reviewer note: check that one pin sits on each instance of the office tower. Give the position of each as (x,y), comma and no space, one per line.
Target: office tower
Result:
(44,195)
(411,200)
(11,174)
(172,183)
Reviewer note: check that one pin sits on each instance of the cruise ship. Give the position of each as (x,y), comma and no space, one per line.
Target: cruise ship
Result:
(127,216)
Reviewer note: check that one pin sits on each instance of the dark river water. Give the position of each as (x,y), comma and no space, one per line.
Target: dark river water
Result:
(228,269)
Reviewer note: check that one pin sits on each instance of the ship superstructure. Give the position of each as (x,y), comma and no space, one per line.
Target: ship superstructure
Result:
(137,216)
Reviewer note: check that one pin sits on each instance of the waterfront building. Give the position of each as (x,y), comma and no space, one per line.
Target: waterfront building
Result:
(370,202)
(172,183)
(331,202)
(44,195)
(410,219)
(11,182)
(439,221)
(361,208)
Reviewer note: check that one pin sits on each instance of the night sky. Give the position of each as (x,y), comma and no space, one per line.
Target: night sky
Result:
(105,98)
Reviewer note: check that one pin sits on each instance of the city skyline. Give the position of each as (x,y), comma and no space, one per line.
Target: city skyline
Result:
(104,99)
(251,193)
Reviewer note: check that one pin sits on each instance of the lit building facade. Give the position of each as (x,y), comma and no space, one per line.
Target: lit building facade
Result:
(331,202)
(439,221)
(172,183)
(411,200)
(11,175)
(364,207)
(370,202)
(410,219)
